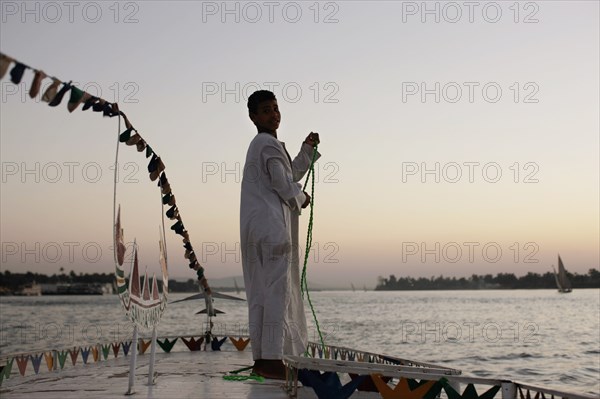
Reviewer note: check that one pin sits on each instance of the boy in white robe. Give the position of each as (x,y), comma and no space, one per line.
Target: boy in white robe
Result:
(271,200)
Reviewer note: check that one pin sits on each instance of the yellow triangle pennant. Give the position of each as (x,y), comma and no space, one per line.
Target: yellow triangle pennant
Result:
(240,344)
(49,356)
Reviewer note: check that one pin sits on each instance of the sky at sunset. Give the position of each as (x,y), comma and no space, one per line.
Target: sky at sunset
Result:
(456,138)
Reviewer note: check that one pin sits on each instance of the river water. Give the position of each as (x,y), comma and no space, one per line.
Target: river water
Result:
(535,336)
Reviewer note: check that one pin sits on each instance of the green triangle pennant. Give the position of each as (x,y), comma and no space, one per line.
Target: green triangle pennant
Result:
(105,351)
(62,356)
(166,345)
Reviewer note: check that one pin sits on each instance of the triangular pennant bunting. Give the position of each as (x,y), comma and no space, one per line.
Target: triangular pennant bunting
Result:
(115,348)
(89,103)
(49,360)
(95,353)
(8,368)
(16,74)
(77,97)
(470,392)
(54,95)
(59,96)
(167,345)
(217,343)
(240,343)
(328,385)
(402,389)
(22,363)
(62,356)
(36,361)
(85,352)
(37,83)
(51,91)
(105,351)
(4,64)
(368,385)
(74,352)
(192,343)
(143,345)
(126,346)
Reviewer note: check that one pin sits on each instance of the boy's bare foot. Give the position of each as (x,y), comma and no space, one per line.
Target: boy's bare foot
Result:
(270,368)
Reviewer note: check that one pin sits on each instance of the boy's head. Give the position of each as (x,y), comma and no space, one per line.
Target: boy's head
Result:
(264,112)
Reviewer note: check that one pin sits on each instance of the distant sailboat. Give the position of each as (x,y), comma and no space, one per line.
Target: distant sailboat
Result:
(562,281)
(353,288)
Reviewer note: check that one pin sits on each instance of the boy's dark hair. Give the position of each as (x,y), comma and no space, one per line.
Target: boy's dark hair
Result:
(258,97)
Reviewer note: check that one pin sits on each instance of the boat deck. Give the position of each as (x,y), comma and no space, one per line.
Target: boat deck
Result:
(197,374)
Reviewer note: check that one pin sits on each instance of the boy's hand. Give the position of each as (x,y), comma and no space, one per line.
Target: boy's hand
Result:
(312,139)
(307,202)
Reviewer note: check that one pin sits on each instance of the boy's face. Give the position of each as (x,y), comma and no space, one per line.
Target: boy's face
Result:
(267,117)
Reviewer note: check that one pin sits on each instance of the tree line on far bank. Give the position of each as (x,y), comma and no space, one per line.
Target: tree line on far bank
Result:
(14,281)
(500,281)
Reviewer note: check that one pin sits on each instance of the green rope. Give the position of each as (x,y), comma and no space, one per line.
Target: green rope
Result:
(233,375)
(303,284)
(242,369)
(252,376)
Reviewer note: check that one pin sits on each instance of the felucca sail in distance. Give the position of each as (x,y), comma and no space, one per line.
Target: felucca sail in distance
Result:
(562,281)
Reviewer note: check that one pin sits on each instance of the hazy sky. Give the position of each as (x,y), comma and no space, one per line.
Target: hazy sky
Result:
(458,138)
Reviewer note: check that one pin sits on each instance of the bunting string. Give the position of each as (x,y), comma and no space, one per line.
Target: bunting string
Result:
(54,95)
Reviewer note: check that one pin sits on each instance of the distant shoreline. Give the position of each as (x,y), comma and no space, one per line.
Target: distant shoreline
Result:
(17,283)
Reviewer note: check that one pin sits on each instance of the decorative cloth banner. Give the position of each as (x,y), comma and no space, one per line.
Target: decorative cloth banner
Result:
(143,307)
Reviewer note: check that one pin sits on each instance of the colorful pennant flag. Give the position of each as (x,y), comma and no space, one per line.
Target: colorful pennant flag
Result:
(22,362)
(16,74)
(74,352)
(143,346)
(192,343)
(62,356)
(240,343)
(4,64)
(167,345)
(37,83)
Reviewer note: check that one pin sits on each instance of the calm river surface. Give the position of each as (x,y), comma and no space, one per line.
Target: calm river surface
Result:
(536,336)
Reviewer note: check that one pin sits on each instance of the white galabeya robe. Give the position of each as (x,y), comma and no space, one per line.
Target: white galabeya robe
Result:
(271,200)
